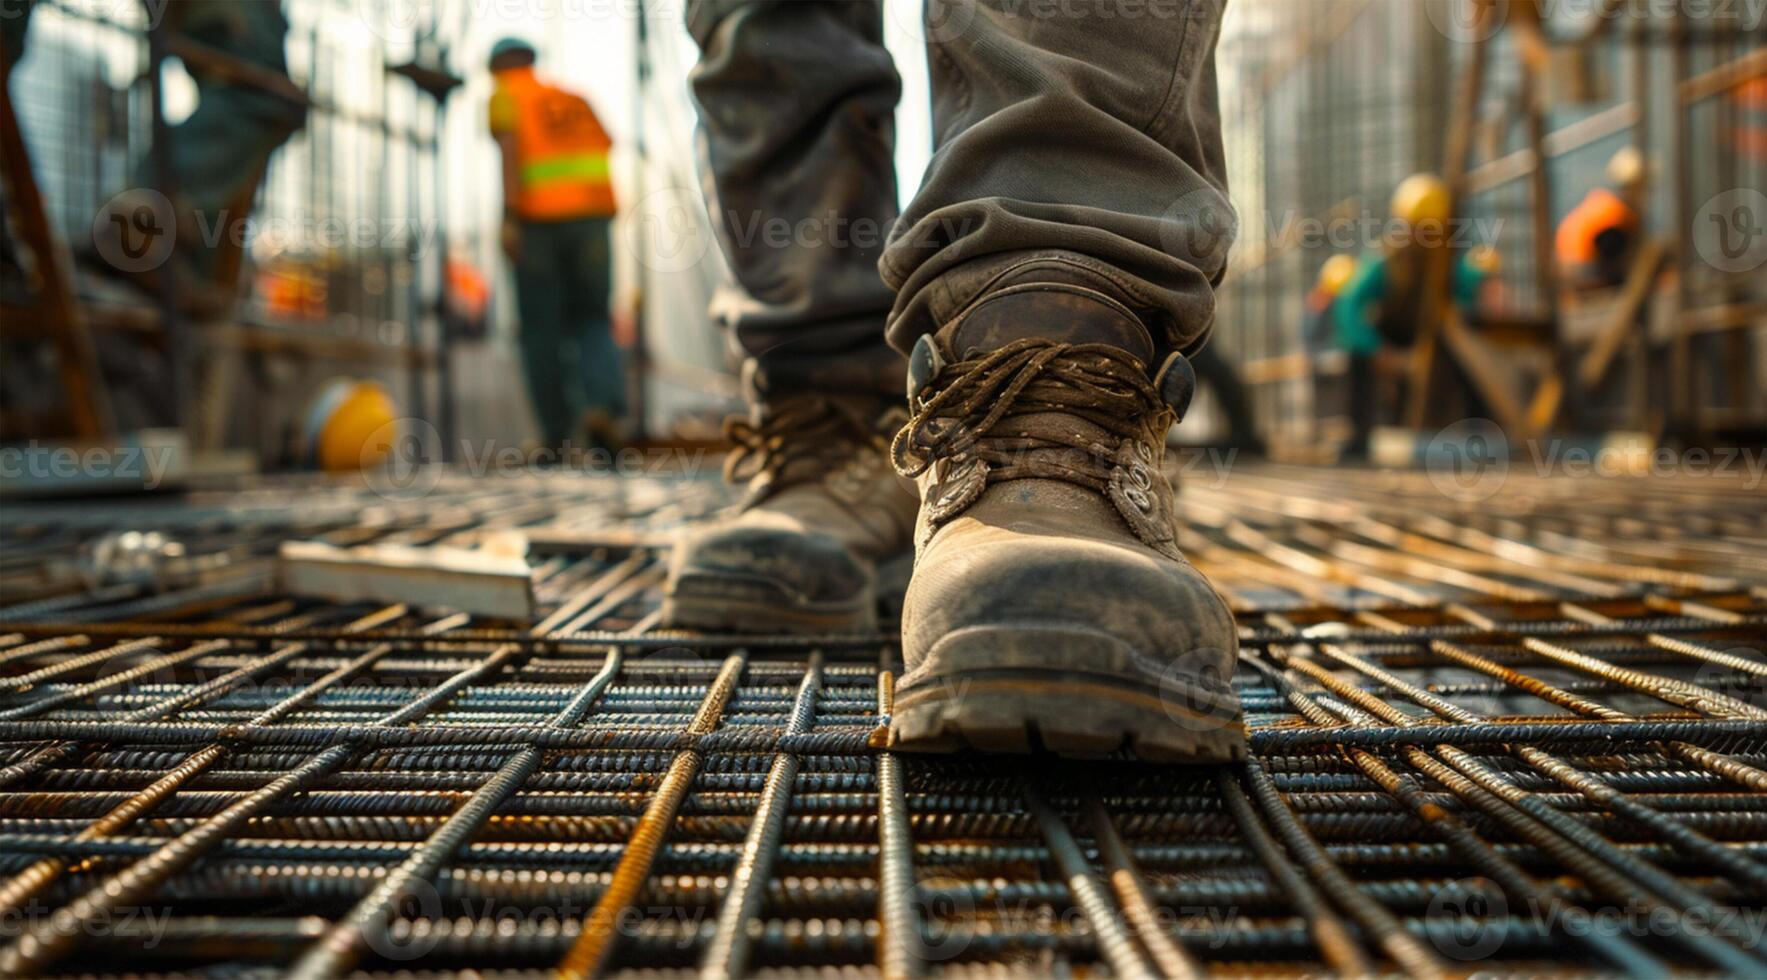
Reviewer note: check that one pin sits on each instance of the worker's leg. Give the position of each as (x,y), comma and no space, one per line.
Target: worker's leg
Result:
(1086,130)
(602,380)
(796,110)
(1364,401)
(548,358)
(1060,253)
(1219,376)
(219,152)
(218,155)
(797,128)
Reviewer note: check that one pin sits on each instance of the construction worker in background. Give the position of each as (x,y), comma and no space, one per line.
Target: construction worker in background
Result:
(1597,241)
(1042,292)
(1383,302)
(558,206)
(1318,330)
(1217,374)
(1750,132)
(247,107)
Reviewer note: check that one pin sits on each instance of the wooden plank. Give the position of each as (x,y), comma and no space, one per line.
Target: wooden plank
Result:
(88,410)
(1484,372)
(472,581)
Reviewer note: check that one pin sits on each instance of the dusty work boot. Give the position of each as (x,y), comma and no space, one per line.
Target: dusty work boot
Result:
(824,521)
(1050,606)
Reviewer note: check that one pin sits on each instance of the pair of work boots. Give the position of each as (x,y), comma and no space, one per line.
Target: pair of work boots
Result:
(1049,606)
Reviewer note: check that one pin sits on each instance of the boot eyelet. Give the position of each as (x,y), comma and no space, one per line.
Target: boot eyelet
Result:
(1139,499)
(1142,479)
(1145,453)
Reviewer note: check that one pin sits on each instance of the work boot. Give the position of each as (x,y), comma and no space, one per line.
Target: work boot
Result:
(1050,606)
(824,521)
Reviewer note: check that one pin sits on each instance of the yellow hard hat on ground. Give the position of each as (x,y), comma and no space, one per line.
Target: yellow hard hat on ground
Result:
(1420,198)
(1336,273)
(349,426)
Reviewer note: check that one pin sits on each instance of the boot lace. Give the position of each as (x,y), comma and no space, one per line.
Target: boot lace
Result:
(978,415)
(800,440)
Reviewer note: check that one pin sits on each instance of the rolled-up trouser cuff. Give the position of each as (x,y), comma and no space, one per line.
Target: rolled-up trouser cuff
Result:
(1089,128)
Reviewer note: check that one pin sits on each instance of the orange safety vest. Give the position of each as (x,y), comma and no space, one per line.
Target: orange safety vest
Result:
(561,149)
(1750,133)
(1600,211)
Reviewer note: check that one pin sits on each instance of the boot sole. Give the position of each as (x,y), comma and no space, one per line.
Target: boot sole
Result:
(1064,711)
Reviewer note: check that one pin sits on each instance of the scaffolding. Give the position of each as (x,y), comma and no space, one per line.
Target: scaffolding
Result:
(1327,106)
(333,266)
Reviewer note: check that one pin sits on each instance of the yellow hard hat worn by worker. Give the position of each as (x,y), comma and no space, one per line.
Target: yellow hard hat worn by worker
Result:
(1485,259)
(1626,168)
(1420,199)
(349,426)
(1336,273)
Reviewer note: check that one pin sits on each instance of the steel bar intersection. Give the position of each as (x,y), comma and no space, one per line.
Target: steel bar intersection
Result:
(1521,730)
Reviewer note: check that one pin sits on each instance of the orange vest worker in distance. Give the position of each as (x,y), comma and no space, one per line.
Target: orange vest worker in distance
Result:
(558,209)
(561,150)
(1596,241)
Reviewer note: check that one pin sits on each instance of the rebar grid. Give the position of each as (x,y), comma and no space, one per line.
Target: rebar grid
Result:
(1519,729)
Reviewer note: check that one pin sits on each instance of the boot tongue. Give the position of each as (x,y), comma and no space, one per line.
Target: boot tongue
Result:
(1069,313)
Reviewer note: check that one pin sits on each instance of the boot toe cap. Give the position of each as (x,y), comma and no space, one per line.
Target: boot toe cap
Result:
(1157,608)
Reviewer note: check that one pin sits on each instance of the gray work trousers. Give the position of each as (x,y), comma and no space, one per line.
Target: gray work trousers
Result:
(1086,128)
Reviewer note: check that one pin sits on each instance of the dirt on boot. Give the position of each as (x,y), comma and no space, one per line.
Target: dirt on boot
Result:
(1050,607)
(824,519)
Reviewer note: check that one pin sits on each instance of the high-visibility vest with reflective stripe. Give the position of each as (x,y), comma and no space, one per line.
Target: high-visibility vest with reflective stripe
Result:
(561,149)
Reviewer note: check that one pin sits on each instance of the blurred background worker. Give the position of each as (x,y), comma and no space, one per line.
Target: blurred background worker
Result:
(1384,301)
(217,156)
(558,206)
(1597,241)
(1218,375)
(1319,326)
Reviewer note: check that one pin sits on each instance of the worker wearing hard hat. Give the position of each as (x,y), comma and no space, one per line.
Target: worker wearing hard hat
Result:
(1318,328)
(558,206)
(1318,324)
(1383,302)
(1597,240)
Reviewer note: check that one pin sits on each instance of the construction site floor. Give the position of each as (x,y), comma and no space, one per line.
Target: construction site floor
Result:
(1510,725)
